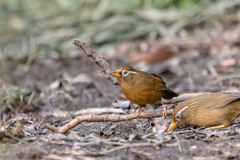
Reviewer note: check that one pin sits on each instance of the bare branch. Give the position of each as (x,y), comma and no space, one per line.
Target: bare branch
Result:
(98,111)
(104,118)
(98,59)
(119,117)
(181,98)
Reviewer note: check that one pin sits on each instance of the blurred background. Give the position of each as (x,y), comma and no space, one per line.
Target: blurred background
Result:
(193,44)
(135,32)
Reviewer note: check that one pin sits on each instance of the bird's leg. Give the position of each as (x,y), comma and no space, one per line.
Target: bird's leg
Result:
(164,110)
(138,111)
(219,126)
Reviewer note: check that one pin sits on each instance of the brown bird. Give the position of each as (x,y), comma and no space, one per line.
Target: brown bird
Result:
(142,88)
(214,110)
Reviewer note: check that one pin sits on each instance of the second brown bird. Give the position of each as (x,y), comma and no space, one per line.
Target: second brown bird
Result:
(214,110)
(142,88)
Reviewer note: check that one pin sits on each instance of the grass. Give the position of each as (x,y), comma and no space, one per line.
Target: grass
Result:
(13,93)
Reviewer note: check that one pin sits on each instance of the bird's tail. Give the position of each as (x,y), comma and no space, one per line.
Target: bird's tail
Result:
(169,94)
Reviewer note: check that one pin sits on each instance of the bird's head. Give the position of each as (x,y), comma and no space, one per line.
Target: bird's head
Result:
(125,73)
(179,115)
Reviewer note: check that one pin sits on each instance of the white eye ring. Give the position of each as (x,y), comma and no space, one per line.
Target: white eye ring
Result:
(179,114)
(126,73)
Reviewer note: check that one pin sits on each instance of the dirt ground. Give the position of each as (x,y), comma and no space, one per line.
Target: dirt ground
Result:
(64,83)
(74,84)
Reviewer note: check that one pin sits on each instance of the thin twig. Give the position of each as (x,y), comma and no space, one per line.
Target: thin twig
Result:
(98,59)
(181,98)
(224,77)
(104,118)
(98,111)
(178,142)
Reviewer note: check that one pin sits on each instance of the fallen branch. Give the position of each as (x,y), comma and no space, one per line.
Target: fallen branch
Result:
(181,98)
(175,100)
(104,118)
(118,117)
(98,59)
(98,111)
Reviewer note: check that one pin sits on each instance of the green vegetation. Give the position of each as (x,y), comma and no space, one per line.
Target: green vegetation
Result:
(14,93)
(30,27)
(5,146)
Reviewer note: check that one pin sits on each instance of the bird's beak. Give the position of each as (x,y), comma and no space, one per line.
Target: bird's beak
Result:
(172,125)
(115,74)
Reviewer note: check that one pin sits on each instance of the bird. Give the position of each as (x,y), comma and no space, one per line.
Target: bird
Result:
(211,111)
(143,88)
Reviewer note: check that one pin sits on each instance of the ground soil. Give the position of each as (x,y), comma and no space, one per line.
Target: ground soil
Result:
(69,84)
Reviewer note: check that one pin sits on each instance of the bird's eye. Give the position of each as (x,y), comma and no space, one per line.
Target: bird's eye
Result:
(125,73)
(178,116)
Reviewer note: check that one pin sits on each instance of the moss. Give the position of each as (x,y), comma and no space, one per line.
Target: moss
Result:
(4,146)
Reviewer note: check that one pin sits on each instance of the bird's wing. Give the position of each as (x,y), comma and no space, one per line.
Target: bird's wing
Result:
(159,84)
(213,101)
(226,99)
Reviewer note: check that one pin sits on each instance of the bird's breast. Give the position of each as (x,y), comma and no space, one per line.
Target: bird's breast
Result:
(141,96)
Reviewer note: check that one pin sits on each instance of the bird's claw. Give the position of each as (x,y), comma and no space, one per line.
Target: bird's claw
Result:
(138,112)
(164,112)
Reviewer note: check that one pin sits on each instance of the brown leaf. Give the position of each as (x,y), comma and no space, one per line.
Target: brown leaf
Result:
(228,62)
(154,53)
